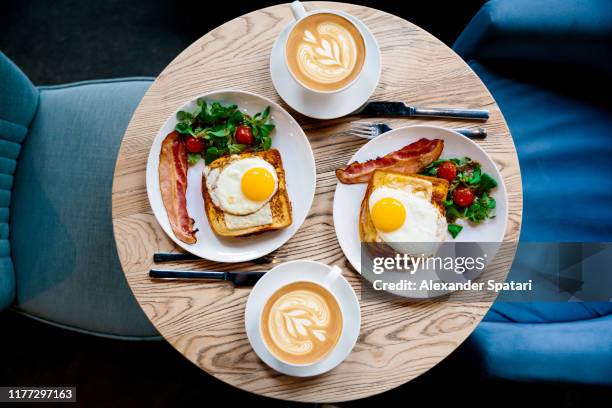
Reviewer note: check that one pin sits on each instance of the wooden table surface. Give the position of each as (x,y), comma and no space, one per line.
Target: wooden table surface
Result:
(399,340)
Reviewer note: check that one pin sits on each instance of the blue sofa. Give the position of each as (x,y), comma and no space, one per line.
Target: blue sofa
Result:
(548,65)
(58,146)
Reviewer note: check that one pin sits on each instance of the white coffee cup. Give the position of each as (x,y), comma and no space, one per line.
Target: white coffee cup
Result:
(299,14)
(334,273)
(331,279)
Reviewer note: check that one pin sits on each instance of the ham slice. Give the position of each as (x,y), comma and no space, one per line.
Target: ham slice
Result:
(409,159)
(173,185)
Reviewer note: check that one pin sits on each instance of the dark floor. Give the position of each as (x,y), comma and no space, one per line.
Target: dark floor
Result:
(70,40)
(153,374)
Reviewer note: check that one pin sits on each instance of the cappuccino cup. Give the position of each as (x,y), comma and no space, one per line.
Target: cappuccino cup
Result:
(325,51)
(302,322)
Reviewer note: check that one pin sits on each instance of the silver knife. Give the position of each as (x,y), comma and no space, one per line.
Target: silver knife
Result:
(237,278)
(401,109)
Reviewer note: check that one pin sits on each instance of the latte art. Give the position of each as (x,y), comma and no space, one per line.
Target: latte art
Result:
(299,319)
(325,51)
(301,323)
(328,55)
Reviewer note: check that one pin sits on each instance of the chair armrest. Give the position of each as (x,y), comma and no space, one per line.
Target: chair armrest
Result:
(565,31)
(7,276)
(18,104)
(574,352)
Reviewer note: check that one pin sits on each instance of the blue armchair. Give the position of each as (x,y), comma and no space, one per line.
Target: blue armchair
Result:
(58,146)
(545,62)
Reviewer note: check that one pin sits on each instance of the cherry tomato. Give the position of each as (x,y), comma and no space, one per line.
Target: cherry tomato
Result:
(447,171)
(193,144)
(463,196)
(244,135)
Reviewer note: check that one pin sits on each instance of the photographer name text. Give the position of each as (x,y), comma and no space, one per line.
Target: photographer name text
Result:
(469,285)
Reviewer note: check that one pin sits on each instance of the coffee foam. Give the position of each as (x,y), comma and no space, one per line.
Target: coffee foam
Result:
(325,51)
(301,323)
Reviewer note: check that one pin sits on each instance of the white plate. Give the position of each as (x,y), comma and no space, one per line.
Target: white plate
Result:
(298,162)
(348,197)
(326,106)
(303,270)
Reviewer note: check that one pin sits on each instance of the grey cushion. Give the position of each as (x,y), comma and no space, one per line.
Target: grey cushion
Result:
(66,264)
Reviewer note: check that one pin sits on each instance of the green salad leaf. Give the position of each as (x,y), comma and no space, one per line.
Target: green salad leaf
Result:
(183,116)
(469,175)
(454,229)
(454,212)
(475,176)
(487,182)
(235,148)
(184,128)
(216,124)
(193,158)
(479,210)
(212,154)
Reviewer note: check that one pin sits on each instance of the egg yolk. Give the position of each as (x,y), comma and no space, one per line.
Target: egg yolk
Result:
(388,214)
(257,184)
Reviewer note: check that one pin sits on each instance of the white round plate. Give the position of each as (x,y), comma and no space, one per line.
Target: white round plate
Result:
(300,172)
(348,197)
(326,106)
(303,270)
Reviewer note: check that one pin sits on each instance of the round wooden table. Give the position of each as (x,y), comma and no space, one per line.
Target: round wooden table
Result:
(399,340)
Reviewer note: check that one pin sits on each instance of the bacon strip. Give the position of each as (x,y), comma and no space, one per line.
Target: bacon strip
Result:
(409,159)
(173,185)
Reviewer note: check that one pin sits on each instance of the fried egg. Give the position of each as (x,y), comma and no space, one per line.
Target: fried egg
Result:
(242,187)
(403,215)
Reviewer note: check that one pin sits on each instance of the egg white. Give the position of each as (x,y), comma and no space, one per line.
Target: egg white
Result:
(423,223)
(224,186)
(263,216)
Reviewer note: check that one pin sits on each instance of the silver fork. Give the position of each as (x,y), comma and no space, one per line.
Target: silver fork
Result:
(370,130)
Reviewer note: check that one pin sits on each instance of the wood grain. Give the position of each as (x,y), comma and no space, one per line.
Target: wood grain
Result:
(399,340)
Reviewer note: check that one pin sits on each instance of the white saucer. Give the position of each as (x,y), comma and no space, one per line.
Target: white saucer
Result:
(326,106)
(303,270)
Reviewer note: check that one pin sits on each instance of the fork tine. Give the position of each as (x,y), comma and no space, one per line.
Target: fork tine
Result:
(361,133)
(364,129)
(361,125)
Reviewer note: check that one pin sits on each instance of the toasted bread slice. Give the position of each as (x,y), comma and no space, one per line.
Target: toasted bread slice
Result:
(280,205)
(437,191)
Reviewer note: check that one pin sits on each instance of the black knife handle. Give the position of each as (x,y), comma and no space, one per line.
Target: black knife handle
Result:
(166,274)
(174,256)
(479,133)
(159,257)
(476,114)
